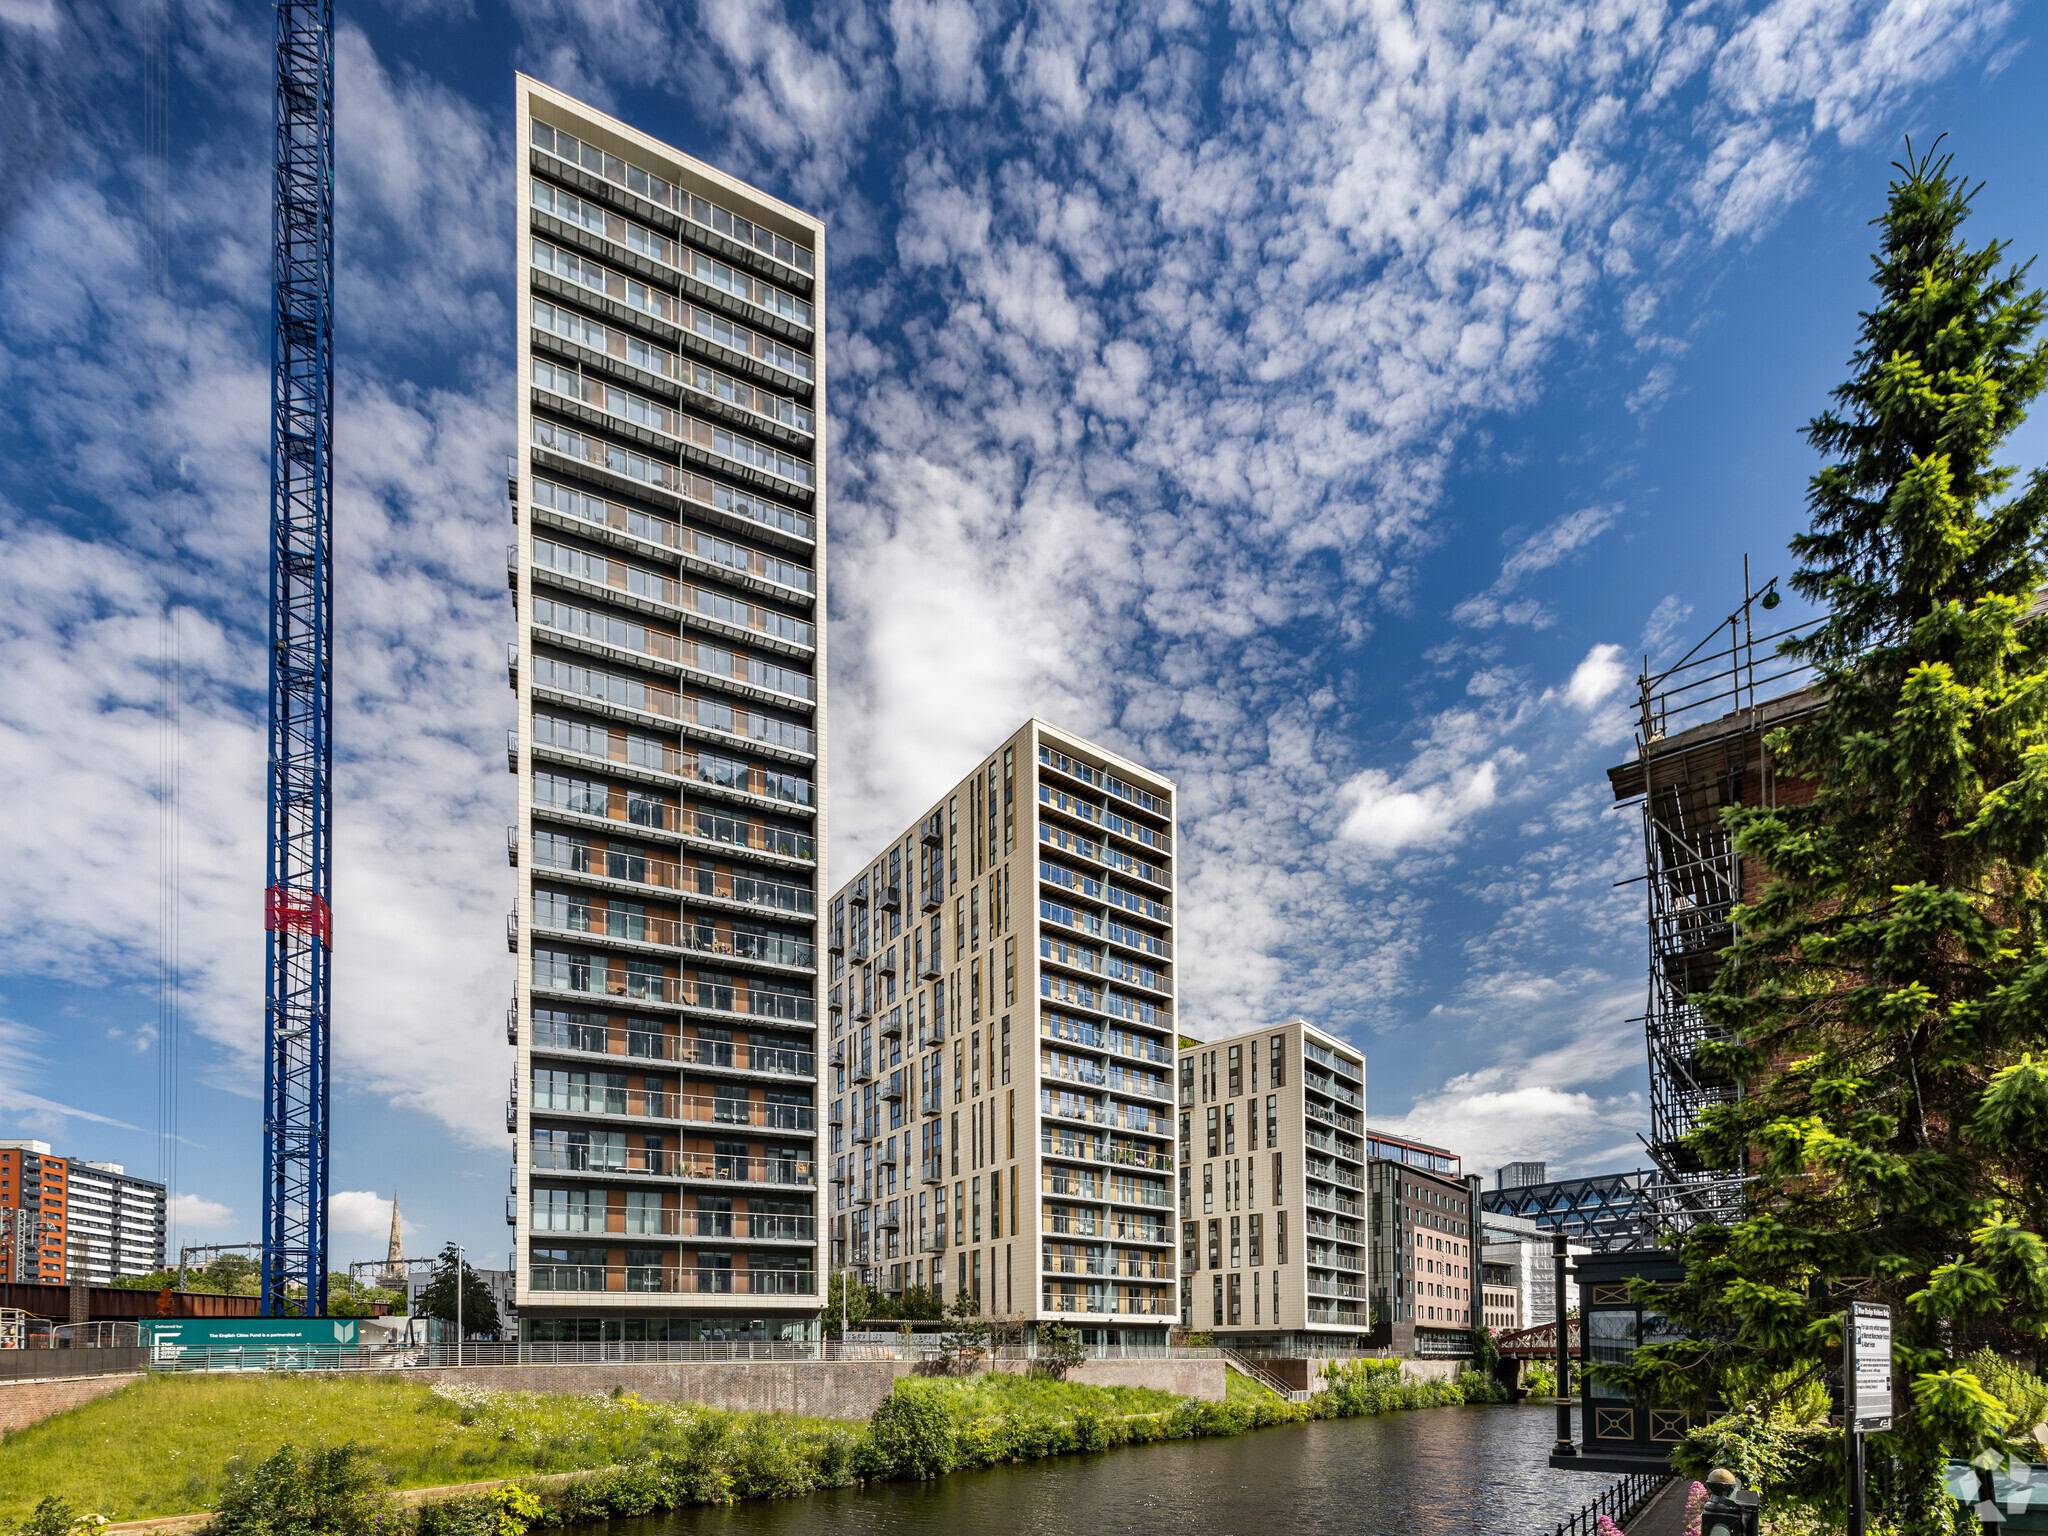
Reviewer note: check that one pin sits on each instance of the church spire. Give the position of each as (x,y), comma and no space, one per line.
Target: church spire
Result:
(394,1259)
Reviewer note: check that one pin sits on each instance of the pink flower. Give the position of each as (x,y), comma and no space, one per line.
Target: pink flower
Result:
(1607,1527)
(1695,1507)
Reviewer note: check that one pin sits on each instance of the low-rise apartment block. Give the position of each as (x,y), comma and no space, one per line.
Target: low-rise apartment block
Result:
(1425,1258)
(63,1212)
(1001,998)
(1272,1180)
(1525,1250)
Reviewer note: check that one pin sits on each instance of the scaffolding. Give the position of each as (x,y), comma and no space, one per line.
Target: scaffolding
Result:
(1699,749)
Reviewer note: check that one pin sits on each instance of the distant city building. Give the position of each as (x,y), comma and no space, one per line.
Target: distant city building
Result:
(57,1211)
(1258,1158)
(1500,1295)
(502,1284)
(1515,1175)
(1520,1251)
(1423,1275)
(1608,1212)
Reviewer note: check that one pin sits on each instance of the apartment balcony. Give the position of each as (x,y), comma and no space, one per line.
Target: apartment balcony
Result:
(837,1056)
(1321,1285)
(1111,1153)
(933,1241)
(931,1036)
(1338,1261)
(892,1023)
(512,846)
(888,1222)
(595,977)
(1330,1059)
(512,1024)
(932,1171)
(682,1108)
(512,929)
(840,1174)
(717,1226)
(892,897)
(632,1048)
(892,1090)
(1148,1268)
(865,1072)
(931,1101)
(932,833)
(512,1107)
(586,1278)
(864,1011)
(886,966)
(1336,1118)
(699,939)
(934,898)
(885,1155)
(1330,1200)
(511,1210)
(837,1114)
(637,1163)
(512,750)
(1159,1304)
(1316,1227)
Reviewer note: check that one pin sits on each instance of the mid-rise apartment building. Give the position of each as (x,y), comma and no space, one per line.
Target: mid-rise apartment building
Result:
(1000,1071)
(669,500)
(1425,1259)
(1500,1299)
(58,1213)
(1271,1184)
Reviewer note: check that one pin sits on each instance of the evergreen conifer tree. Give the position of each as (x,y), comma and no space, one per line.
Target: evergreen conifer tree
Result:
(1885,1004)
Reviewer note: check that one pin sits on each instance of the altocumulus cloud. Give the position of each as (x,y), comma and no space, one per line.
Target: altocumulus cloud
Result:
(1154,332)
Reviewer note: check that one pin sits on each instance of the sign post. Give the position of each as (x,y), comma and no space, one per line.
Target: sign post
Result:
(1866,1393)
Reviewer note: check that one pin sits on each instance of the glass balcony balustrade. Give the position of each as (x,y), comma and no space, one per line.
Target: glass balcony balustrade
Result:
(665,1281)
(609,1159)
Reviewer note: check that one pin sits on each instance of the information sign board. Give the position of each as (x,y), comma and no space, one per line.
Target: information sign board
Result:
(1869,1367)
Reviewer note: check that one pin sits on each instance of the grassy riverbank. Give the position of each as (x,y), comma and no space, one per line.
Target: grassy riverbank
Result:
(164,1445)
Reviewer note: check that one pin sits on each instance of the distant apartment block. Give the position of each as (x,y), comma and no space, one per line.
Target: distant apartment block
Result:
(1272,1181)
(1500,1298)
(669,499)
(1522,1253)
(59,1211)
(1516,1175)
(1002,1042)
(1424,1264)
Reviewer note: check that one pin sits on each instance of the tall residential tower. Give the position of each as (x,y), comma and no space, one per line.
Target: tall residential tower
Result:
(1000,1069)
(669,499)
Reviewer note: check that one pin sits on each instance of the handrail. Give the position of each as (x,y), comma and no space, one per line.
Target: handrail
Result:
(1619,1502)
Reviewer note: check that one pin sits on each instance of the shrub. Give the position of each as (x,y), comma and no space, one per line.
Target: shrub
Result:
(331,1491)
(911,1434)
(1539,1379)
(515,1509)
(52,1518)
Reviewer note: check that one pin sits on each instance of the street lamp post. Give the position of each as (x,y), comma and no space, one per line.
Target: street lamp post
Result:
(1564,1446)
(458,1303)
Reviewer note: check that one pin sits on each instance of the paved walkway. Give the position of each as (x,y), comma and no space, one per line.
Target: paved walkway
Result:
(1666,1514)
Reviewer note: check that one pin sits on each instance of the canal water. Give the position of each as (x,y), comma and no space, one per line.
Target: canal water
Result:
(1432,1472)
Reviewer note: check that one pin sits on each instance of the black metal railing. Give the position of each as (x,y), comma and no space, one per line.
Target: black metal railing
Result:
(1619,1501)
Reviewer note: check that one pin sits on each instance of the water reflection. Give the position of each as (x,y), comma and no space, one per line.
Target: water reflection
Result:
(1430,1473)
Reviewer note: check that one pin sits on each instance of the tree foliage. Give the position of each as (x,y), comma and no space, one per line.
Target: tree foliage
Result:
(437,1297)
(1885,1004)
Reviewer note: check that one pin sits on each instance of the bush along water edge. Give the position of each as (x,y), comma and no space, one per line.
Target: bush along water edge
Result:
(923,1429)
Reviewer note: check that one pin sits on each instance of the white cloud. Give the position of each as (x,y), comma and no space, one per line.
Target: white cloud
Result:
(1387,818)
(1595,678)
(194,1211)
(1538,552)
(361,1212)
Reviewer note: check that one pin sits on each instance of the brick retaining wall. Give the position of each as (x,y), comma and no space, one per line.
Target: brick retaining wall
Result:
(825,1389)
(26,1402)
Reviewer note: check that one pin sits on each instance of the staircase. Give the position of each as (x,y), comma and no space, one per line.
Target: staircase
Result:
(1246,1366)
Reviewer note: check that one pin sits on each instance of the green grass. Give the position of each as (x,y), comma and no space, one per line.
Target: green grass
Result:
(1240,1388)
(159,1447)
(994,1394)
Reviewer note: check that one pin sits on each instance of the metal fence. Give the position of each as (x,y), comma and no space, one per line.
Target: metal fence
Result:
(34,1364)
(1620,1501)
(365,1357)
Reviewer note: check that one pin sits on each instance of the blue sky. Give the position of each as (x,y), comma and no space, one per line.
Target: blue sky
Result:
(1327,405)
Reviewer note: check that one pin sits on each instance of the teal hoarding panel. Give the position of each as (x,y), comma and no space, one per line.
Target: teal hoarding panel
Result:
(219,1333)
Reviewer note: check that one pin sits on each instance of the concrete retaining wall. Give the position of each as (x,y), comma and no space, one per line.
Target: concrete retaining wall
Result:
(26,1402)
(825,1389)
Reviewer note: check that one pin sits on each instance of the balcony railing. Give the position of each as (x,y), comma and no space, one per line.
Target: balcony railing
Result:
(1142,1269)
(1130,1117)
(1332,1173)
(793,1172)
(1161,1304)
(633,1045)
(1321,1285)
(1334,1062)
(695,938)
(635,1103)
(1330,1200)
(672,1282)
(604,745)
(1091,1149)
(633,1221)
(583,974)
(557,851)
(1091,1035)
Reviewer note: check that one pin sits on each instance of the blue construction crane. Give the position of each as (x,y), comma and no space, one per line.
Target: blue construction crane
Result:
(297,920)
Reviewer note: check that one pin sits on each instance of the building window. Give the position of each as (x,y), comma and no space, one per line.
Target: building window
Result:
(1236,1073)
(1276,1072)
(1255,1260)
(1208,1188)
(1272,1120)
(1229,1128)
(1279,1241)
(1215,1140)
(1279,1184)
(1216,1300)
